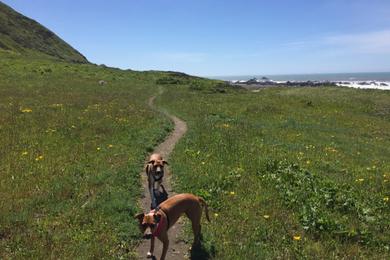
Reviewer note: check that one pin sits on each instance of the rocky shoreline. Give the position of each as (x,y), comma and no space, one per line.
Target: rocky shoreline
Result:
(255,83)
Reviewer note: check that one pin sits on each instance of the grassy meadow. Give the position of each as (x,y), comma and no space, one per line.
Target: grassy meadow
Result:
(71,153)
(288,172)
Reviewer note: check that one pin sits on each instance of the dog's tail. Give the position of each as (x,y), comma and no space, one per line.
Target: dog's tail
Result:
(203,202)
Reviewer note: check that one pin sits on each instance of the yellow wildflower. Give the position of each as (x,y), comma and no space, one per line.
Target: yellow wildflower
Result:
(40,157)
(266,216)
(297,237)
(98,148)
(24,153)
(216,214)
(226,125)
(110,146)
(307,162)
(232,193)
(386,199)
(26,110)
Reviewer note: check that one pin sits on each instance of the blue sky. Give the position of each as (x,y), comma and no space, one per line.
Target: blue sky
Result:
(216,37)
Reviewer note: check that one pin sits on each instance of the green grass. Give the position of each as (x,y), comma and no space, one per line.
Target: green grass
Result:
(309,163)
(287,172)
(71,153)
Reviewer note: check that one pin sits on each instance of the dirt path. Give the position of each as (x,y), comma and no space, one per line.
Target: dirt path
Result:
(178,249)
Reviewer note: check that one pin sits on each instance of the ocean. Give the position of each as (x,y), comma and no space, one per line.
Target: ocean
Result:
(364,76)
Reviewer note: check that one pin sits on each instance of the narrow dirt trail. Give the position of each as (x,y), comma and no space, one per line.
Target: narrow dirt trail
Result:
(178,249)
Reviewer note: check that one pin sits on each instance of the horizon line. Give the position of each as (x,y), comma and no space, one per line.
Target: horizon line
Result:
(290,74)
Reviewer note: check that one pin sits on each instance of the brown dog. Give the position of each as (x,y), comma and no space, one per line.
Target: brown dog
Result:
(155,172)
(157,222)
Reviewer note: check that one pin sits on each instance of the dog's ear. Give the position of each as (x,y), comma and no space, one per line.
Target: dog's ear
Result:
(140,217)
(151,161)
(165,162)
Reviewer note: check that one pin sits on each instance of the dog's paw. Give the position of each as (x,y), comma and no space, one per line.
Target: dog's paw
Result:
(149,255)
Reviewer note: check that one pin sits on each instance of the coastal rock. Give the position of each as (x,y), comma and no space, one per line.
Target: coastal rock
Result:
(252,81)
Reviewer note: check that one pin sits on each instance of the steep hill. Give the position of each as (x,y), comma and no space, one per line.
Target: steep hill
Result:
(21,34)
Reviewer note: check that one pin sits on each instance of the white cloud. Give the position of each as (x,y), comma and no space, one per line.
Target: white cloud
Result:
(295,44)
(371,42)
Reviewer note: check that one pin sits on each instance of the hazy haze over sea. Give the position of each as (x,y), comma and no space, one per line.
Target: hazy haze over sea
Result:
(364,76)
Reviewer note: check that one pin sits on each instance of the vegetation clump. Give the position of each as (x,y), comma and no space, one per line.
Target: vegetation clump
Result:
(169,81)
(325,206)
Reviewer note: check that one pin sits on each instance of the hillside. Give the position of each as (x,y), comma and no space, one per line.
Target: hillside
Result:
(21,34)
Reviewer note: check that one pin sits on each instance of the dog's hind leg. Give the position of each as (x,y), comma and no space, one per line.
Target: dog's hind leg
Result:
(196,228)
(194,215)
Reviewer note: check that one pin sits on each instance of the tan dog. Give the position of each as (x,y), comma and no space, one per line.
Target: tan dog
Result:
(157,222)
(155,172)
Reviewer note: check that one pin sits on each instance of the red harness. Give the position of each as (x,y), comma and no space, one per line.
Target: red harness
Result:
(160,225)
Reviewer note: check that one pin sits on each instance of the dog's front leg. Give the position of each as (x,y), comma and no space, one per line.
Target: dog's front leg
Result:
(152,195)
(164,239)
(151,251)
